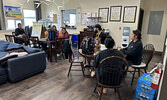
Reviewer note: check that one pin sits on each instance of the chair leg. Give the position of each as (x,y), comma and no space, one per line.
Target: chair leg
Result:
(95,87)
(82,66)
(101,93)
(133,76)
(115,90)
(145,70)
(63,56)
(119,94)
(139,72)
(69,70)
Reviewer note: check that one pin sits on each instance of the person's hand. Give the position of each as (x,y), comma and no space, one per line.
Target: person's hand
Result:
(119,48)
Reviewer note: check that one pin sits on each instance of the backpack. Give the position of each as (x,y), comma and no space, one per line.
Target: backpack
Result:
(87,45)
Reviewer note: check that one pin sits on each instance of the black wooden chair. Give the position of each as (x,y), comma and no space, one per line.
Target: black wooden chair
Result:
(75,60)
(10,38)
(148,53)
(110,74)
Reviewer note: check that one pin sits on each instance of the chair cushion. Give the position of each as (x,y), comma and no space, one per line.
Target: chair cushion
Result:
(138,66)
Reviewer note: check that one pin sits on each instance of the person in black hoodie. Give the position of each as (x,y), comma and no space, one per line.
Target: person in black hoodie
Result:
(134,50)
(19,33)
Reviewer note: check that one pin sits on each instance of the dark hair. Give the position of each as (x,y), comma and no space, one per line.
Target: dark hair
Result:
(98,26)
(137,33)
(54,26)
(109,42)
(49,26)
(19,24)
(64,28)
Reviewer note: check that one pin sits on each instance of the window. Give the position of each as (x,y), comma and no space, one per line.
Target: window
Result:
(29,17)
(12,24)
(72,19)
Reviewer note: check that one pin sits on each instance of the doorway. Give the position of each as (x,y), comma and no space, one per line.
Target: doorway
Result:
(140,19)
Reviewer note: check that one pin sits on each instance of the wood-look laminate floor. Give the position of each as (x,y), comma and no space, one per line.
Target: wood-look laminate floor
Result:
(54,84)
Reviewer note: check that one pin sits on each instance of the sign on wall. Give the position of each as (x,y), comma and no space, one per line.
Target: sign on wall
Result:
(13,11)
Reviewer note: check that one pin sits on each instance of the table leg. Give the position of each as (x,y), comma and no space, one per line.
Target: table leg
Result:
(56,57)
(50,52)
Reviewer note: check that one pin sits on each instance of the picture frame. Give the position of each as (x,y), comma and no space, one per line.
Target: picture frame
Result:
(103,15)
(115,13)
(129,15)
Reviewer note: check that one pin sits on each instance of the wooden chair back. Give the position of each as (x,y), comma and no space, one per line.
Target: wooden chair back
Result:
(59,44)
(112,71)
(148,53)
(10,38)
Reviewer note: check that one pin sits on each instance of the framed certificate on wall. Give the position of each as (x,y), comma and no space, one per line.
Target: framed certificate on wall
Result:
(129,14)
(103,15)
(115,13)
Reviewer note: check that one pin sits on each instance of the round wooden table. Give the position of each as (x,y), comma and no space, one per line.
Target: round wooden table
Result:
(89,56)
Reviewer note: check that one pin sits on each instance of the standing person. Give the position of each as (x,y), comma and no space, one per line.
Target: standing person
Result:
(65,33)
(135,49)
(19,33)
(53,33)
(49,28)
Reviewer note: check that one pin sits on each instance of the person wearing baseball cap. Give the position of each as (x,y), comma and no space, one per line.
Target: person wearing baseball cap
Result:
(99,36)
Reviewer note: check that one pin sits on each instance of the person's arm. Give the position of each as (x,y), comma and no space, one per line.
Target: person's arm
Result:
(133,51)
(103,37)
(16,32)
(96,60)
(67,35)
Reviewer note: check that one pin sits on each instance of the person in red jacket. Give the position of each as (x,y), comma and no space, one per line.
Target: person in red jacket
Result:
(65,33)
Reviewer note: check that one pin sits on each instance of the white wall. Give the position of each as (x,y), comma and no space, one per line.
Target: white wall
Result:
(93,6)
(156,40)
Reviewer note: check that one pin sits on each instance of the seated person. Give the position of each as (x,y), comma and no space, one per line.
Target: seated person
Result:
(99,38)
(109,44)
(19,33)
(135,49)
(63,34)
